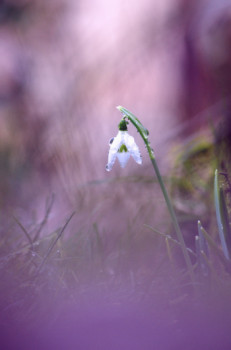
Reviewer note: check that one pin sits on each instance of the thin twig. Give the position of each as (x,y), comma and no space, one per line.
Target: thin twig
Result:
(27,247)
(54,242)
(47,213)
(169,238)
(24,231)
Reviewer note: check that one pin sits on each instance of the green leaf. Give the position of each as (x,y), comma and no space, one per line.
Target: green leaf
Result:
(220,214)
(225,220)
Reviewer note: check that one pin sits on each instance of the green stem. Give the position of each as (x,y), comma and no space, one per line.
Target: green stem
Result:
(144,134)
(174,220)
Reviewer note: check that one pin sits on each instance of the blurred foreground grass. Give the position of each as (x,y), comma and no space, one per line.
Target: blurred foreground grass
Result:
(80,262)
(128,261)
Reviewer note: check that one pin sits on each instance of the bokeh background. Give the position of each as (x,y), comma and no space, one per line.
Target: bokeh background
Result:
(64,67)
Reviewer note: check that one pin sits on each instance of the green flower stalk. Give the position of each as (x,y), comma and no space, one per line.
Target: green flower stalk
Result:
(124,144)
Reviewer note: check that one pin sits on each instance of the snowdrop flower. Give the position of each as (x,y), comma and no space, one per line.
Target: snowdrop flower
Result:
(121,147)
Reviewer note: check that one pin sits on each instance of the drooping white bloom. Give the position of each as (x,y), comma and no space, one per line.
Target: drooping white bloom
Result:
(121,147)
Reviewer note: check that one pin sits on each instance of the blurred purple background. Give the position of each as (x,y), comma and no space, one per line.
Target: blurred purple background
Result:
(64,67)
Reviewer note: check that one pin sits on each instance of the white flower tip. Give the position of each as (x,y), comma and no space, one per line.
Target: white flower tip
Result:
(123,158)
(108,168)
(139,161)
(137,156)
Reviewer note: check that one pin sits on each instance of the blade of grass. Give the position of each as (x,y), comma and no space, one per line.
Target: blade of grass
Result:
(225,220)
(219,253)
(49,206)
(202,247)
(169,251)
(24,231)
(219,214)
(168,237)
(203,268)
(28,246)
(203,242)
(54,243)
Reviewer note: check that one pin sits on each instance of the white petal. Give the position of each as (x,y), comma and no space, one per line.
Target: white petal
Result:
(133,148)
(135,153)
(114,146)
(111,161)
(117,141)
(123,158)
